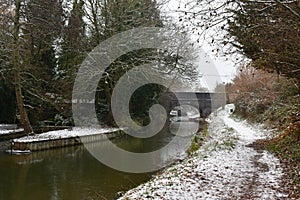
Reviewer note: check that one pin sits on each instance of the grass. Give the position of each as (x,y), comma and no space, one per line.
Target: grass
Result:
(287,148)
(230,143)
(198,140)
(227,141)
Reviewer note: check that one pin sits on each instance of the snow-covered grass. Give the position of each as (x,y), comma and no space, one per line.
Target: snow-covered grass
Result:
(65,133)
(225,167)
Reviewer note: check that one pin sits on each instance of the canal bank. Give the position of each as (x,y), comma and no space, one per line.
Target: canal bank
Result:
(10,131)
(225,167)
(64,138)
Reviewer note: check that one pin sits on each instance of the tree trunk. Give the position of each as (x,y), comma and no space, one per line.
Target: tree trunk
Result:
(110,117)
(16,62)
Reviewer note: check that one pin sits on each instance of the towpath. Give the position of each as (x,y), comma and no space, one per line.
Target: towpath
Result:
(226,167)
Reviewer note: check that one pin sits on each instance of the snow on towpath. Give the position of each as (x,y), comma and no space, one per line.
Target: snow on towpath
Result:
(224,168)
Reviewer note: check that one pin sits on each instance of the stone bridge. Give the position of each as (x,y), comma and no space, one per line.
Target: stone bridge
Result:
(203,101)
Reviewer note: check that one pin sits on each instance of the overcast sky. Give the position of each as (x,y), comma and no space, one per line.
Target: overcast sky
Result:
(224,69)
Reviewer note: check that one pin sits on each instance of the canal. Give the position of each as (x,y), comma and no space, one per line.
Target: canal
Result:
(72,173)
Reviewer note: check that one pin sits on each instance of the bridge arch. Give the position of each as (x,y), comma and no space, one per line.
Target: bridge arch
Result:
(204,102)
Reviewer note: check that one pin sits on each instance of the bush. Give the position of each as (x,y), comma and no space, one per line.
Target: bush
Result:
(264,97)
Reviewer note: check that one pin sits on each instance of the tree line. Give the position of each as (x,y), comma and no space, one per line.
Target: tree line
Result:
(43,43)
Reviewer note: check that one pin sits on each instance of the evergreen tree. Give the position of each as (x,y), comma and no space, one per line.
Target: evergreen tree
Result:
(31,28)
(74,47)
(119,16)
(268,33)
(44,23)
(7,97)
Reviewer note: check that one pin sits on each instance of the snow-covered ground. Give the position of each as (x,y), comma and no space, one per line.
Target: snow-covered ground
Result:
(4,132)
(9,129)
(65,133)
(225,167)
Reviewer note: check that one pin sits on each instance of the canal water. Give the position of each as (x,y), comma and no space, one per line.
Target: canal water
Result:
(71,173)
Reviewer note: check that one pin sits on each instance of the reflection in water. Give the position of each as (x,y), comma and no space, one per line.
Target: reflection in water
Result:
(72,173)
(144,157)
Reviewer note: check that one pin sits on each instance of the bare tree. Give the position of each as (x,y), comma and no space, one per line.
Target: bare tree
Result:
(266,31)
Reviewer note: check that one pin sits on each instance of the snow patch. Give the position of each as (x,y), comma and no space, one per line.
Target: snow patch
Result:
(65,133)
(7,132)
